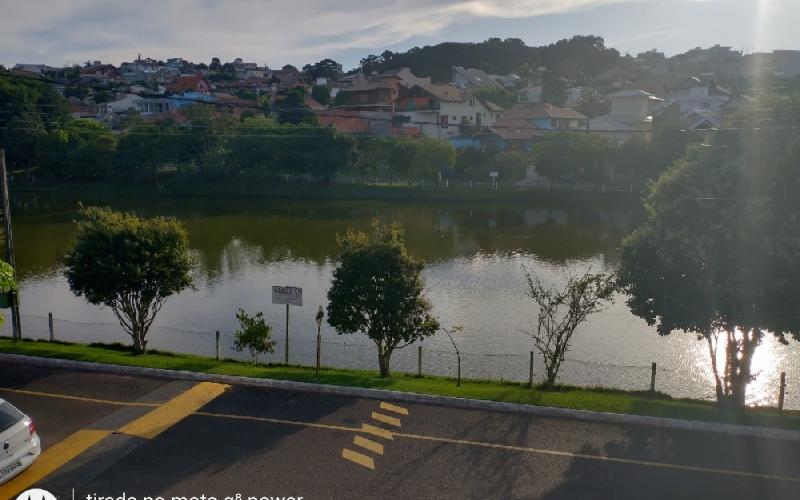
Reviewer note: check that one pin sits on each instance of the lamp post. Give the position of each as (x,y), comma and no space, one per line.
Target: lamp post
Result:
(320,315)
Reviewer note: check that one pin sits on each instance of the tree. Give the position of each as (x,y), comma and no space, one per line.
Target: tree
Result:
(561,312)
(8,283)
(321,94)
(554,91)
(129,264)
(569,156)
(717,256)
(377,290)
(327,68)
(254,334)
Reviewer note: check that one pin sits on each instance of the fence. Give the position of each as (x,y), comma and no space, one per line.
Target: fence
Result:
(358,352)
(488,185)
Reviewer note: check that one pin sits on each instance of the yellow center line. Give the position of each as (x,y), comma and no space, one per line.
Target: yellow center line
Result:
(77,398)
(52,459)
(521,449)
(173,411)
(386,419)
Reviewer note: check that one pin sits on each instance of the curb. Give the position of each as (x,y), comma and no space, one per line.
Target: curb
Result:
(408,397)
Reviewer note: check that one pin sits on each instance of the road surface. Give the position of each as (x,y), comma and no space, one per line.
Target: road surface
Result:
(108,435)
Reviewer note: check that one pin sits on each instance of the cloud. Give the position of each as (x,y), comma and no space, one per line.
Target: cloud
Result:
(273,32)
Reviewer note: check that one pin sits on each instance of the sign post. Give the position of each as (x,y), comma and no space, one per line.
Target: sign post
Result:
(289,295)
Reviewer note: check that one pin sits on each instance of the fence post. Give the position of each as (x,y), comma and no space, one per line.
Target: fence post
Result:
(217,337)
(50,324)
(530,372)
(419,361)
(782,394)
(653,380)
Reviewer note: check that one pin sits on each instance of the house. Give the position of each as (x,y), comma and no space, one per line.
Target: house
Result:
(32,69)
(194,83)
(695,94)
(471,78)
(545,116)
(103,73)
(444,111)
(515,134)
(631,115)
(369,95)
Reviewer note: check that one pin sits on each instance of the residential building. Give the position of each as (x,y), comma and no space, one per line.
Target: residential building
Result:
(631,115)
(695,94)
(194,83)
(545,116)
(471,78)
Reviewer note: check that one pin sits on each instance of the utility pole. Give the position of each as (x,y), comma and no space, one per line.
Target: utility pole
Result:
(16,324)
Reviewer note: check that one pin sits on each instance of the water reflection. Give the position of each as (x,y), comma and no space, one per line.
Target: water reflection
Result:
(475,254)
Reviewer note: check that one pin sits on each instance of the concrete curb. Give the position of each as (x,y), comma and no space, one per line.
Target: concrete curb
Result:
(408,397)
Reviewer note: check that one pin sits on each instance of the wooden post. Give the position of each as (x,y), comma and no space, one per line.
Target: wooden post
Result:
(50,324)
(782,394)
(653,380)
(319,341)
(458,380)
(419,361)
(286,355)
(217,337)
(16,321)
(530,371)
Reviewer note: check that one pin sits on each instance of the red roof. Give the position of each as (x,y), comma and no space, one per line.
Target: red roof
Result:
(345,122)
(514,129)
(188,83)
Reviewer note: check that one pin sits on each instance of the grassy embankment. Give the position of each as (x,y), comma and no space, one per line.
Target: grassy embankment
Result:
(596,399)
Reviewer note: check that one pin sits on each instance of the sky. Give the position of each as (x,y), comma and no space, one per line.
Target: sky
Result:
(275,33)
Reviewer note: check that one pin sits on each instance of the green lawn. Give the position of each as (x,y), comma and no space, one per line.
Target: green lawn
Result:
(597,399)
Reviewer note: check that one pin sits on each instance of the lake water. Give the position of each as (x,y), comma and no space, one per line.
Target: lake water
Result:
(475,254)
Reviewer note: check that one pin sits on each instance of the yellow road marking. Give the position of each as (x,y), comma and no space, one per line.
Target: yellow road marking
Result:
(77,398)
(368,444)
(386,419)
(394,408)
(539,451)
(173,411)
(358,458)
(52,459)
(377,431)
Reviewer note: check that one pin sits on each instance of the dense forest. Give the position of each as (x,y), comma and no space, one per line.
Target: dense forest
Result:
(574,58)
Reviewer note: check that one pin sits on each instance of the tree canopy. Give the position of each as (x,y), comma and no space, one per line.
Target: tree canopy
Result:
(717,256)
(129,264)
(377,289)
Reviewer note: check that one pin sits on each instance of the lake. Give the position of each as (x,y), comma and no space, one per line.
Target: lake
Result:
(476,255)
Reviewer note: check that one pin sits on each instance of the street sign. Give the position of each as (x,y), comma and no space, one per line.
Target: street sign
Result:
(494,174)
(287,295)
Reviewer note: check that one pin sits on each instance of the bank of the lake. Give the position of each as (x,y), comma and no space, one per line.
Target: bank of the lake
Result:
(342,191)
(578,398)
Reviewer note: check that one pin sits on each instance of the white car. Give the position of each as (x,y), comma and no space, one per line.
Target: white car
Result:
(19,443)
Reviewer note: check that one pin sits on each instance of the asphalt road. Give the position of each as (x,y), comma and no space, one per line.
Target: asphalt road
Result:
(110,435)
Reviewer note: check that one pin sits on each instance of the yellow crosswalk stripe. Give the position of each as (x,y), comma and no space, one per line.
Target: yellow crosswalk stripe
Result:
(52,459)
(393,408)
(386,419)
(368,444)
(377,431)
(360,459)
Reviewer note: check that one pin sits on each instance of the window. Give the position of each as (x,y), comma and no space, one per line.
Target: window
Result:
(553,123)
(472,103)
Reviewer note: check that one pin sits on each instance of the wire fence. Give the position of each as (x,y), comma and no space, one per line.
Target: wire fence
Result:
(450,183)
(359,353)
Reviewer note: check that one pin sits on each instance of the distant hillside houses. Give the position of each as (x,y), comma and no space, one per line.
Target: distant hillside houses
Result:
(629,98)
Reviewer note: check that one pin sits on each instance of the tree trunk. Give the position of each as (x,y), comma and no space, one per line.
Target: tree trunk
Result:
(738,369)
(384,356)
(139,342)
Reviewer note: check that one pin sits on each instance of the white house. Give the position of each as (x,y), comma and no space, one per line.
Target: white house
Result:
(631,115)
(696,95)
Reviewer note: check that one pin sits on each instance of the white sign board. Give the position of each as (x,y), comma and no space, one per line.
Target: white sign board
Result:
(494,174)
(287,295)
